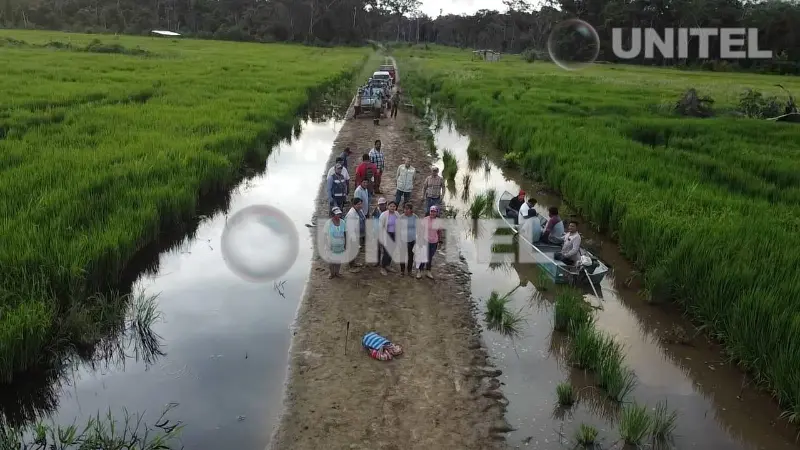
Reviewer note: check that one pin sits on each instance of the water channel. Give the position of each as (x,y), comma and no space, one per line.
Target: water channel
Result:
(716,408)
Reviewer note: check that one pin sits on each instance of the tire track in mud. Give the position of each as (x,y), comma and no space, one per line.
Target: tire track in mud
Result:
(440,394)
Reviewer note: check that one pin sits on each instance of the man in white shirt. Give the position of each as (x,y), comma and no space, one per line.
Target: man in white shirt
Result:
(523,210)
(571,249)
(405,182)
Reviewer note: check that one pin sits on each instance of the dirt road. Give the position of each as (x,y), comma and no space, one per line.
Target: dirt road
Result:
(440,394)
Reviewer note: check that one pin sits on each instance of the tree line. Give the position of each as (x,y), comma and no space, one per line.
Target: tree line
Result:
(518,28)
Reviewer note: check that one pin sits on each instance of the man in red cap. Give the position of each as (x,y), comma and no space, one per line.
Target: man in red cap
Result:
(512,210)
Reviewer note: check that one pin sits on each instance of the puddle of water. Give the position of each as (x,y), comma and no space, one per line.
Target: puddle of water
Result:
(226,339)
(714,410)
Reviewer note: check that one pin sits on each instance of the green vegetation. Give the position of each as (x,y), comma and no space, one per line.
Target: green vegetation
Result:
(708,210)
(100,432)
(634,424)
(499,317)
(571,312)
(586,435)
(663,422)
(103,152)
(450,165)
(565,394)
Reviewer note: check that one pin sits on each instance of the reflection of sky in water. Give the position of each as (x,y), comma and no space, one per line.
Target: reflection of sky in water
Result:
(226,339)
(530,374)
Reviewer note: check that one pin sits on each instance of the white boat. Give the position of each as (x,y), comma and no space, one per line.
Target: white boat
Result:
(557,271)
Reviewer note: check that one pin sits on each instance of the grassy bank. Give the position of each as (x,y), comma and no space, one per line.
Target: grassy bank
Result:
(709,209)
(107,145)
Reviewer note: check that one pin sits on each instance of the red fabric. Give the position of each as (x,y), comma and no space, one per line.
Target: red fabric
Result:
(361,171)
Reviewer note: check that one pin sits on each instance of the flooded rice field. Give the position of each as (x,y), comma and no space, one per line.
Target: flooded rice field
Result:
(716,407)
(222,342)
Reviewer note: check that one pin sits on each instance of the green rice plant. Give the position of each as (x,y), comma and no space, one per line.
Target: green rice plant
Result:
(586,435)
(499,317)
(565,394)
(477,208)
(571,312)
(644,171)
(450,165)
(617,380)
(664,422)
(81,195)
(585,346)
(466,180)
(100,432)
(473,152)
(634,424)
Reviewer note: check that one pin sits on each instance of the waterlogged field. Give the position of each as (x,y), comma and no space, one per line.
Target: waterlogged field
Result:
(105,145)
(708,209)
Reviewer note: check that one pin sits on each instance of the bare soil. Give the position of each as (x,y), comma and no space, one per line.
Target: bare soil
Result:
(441,394)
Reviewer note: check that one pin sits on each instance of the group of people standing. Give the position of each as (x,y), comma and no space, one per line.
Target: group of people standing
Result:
(550,230)
(403,237)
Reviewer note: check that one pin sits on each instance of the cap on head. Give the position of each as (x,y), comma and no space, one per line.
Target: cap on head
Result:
(336,211)
(381,201)
(434,208)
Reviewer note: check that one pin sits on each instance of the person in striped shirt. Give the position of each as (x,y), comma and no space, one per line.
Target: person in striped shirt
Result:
(376,157)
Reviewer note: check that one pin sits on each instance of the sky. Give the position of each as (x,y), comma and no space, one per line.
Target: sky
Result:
(432,7)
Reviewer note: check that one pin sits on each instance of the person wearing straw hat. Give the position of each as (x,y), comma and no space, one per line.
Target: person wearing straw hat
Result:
(335,233)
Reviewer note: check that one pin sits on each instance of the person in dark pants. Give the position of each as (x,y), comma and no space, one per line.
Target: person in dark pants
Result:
(387,223)
(512,210)
(395,102)
(376,214)
(408,233)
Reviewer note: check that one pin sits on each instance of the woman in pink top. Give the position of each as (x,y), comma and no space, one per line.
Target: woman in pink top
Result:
(432,232)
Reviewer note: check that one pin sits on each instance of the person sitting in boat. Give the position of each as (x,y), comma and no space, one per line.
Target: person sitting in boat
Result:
(554,229)
(525,208)
(571,248)
(531,228)
(512,210)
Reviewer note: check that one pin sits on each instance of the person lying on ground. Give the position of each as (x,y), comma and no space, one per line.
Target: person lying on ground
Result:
(375,215)
(356,226)
(336,236)
(407,234)
(433,189)
(405,182)
(554,229)
(340,162)
(387,224)
(431,230)
(571,249)
(337,188)
(512,210)
(367,170)
(376,157)
(362,192)
(531,228)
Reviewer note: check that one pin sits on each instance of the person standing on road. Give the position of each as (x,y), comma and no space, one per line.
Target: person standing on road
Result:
(395,102)
(340,162)
(337,188)
(336,234)
(345,154)
(405,182)
(434,189)
(356,226)
(367,170)
(362,192)
(376,214)
(407,233)
(376,157)
(387,224)
(432,231)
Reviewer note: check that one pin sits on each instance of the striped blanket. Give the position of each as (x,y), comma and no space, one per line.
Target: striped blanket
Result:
(379,347)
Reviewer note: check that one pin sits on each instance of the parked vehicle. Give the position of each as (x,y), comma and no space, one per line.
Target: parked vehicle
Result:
(389,68)
(382,76)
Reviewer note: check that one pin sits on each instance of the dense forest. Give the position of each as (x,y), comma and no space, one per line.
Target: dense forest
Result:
(519,28)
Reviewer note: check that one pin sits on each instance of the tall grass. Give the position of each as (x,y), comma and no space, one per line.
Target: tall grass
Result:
(100,432)
(634,424)
(571,311)
(640,173)
(565,394)
(81,194)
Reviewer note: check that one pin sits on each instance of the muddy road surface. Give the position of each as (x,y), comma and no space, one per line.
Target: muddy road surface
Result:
(440,392)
